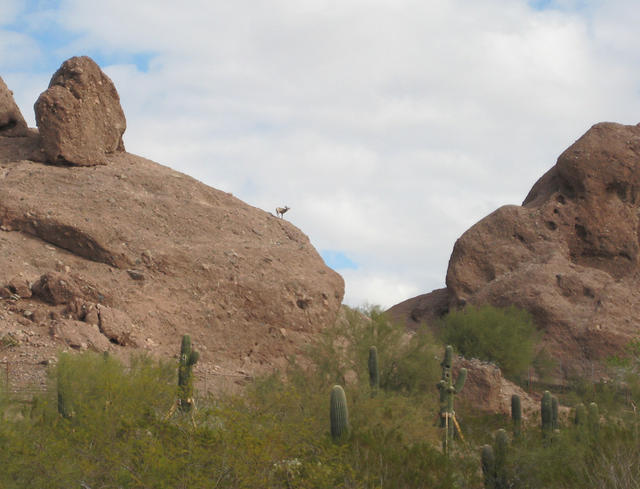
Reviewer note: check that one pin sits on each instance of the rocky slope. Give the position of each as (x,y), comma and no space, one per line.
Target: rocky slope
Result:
(101,249)
(569,254)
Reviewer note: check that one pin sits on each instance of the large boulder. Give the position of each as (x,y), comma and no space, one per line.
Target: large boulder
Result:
(569,254)
(12,123)
(79,116)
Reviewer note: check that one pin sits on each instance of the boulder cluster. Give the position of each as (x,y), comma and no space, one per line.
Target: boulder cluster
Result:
(79,116)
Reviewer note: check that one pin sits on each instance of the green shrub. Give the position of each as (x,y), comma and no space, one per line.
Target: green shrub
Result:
(506,337)
(407,362)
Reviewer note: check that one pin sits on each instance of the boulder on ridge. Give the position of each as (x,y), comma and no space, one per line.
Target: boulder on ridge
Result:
(79,116)
(12,124)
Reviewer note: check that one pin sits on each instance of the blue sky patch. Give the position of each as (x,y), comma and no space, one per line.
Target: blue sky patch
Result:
(541,4)
(58,44)
(338,260)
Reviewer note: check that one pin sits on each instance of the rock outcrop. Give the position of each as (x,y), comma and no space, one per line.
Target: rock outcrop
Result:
(132,254)
(569,254)
(79,116)
(487,390)
(12,123)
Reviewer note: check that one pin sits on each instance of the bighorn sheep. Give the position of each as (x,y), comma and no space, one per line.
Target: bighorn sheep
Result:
(281,210)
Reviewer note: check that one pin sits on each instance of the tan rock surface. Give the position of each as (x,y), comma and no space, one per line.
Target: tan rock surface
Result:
(569,254)
(11,121)
(132,255)
(487,390)
(227,273)
(79,116)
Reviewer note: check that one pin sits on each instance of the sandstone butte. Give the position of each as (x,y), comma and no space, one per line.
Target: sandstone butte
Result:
(107,251)
(569,255)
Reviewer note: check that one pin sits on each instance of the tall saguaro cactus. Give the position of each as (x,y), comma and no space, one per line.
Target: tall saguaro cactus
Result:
(501,448)
(374,372)
(339,414)
(448,390)
(65,408)
(516,415)
(593,419)
(546,413)
(188,358)
(580,418)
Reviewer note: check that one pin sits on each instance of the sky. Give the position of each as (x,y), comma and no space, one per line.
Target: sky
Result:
(389,127)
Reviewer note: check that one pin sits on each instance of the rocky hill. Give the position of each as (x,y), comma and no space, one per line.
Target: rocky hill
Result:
(569,254)
(101,249)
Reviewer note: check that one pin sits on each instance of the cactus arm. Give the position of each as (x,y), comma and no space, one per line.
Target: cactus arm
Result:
(462,377)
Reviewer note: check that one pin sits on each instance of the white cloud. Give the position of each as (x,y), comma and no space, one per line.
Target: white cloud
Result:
(9,10)
(388,127)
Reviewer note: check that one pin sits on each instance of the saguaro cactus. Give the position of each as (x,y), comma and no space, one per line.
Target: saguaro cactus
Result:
(494,462)
(64,389)
(581,415)
(188,358)
(546,413)
(448,390)
(516,415)
(374,372)
(593,419)
(488,461)
(554,413)
(501,447)
(65,408)
(339,414)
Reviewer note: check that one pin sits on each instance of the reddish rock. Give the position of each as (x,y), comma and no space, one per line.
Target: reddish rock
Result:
(487,390)
(79,335)
(425,308)
(20,286)
(145,254)
(12,124)
(116,325)
(569,254)
(79,116)
(57,288)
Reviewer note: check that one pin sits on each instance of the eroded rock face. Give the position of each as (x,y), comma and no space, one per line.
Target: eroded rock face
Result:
(248,287)
(425,308)
(79,116)
(132,255)
(487,390)
(569,254)
(12,123)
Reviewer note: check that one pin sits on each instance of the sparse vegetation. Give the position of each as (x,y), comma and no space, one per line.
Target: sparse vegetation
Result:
(113,431)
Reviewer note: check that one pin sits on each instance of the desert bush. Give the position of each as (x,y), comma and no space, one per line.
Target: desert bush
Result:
(407,361)
(506,337)
(276,434)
